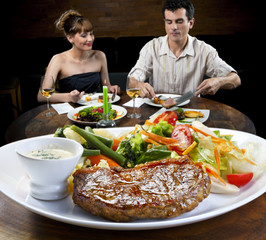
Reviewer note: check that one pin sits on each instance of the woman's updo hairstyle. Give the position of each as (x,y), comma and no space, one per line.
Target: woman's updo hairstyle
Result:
(72,22)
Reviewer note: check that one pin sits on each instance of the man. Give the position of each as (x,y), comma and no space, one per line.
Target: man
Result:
(177,62)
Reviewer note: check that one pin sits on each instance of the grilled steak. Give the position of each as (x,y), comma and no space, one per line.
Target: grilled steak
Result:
(170,102)
(159,189)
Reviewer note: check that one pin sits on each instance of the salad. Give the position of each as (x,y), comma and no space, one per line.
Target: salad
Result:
(228,166)
(94,114)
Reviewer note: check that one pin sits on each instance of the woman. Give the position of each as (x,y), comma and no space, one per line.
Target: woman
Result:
(79,69)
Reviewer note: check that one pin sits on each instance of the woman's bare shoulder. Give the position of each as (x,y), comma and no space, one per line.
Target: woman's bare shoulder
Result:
(98,54)
(60,57)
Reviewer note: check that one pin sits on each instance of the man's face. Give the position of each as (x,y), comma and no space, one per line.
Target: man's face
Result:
(177,25)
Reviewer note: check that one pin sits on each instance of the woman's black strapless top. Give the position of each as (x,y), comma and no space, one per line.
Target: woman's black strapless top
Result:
(88,82)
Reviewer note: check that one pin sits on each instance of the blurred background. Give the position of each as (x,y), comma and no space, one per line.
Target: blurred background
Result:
(121,28)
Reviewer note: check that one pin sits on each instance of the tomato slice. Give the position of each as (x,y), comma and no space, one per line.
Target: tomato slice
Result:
(168,116)
(239,179)
(183,134)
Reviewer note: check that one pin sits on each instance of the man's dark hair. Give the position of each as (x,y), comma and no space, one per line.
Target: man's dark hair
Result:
(173,5)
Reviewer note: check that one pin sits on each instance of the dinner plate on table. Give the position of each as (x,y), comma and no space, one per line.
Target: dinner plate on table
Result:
(94,99)
(14,183)
(205,112)
(72,112)
(151,103)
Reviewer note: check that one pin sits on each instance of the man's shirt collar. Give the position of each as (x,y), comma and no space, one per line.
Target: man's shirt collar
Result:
(189,49)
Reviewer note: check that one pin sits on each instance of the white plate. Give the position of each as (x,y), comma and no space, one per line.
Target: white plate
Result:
(14,183)
(151,103)
(71,113)
(206,113)
(94,99)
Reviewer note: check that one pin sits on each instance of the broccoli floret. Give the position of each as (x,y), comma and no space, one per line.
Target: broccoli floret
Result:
(167,128)
(138,145)
(60,131)
(163,128)
(125,150)
(132,148)
(156,129)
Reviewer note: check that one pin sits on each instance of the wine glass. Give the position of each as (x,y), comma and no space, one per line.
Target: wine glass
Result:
(47,88)
(133,91)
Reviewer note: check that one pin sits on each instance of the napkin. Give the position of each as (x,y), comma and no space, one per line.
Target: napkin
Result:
(138,103)
(62,107)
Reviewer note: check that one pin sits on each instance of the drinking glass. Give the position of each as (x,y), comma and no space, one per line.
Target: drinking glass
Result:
(47,88)
(133,91)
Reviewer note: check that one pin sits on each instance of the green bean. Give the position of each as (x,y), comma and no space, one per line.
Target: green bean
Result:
(90,152)
(108,142)
(89,137)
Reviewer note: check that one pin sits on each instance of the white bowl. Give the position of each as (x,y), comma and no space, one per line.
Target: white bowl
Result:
(48,177)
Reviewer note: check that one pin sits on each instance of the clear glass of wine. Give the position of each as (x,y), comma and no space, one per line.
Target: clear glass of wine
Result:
(47,88)
(133,91)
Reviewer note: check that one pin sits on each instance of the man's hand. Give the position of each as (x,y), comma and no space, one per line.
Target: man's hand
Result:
(208,86)
(146,90)
(212,85)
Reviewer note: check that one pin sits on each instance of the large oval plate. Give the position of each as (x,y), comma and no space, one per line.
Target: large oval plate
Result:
(14,183)
(71,113)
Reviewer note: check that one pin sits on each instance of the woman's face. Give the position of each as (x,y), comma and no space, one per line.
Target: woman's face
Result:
(82,40)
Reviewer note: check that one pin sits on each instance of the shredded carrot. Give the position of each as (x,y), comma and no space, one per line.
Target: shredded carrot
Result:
(218,140)
(214,139)
(217,159)
(159,139)
(190,148)
(224,147)
(207,169)
(134,131)
(249,161)
(148,123)
(198,130)
(215,175)
(148,140)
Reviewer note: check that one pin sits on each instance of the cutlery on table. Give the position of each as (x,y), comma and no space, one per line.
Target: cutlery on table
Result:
(170,102)
(113,97)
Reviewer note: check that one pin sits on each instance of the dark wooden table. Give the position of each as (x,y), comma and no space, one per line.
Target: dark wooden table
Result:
(33,123)
(246,222)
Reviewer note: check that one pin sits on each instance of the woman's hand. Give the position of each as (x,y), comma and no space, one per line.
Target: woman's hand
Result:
(115,89)
(75,95)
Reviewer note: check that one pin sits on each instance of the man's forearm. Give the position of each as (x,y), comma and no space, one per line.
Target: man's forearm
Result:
(231,81)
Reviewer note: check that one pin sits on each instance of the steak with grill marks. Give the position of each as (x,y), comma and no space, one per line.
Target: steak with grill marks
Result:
(159,189)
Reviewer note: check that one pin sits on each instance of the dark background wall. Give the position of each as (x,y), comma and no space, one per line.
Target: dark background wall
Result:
(122,27)
(116,18)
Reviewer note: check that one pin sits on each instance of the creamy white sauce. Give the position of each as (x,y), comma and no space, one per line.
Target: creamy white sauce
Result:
(50,153)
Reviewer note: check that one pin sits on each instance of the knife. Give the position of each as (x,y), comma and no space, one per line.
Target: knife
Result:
(186,96)
(177,101)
